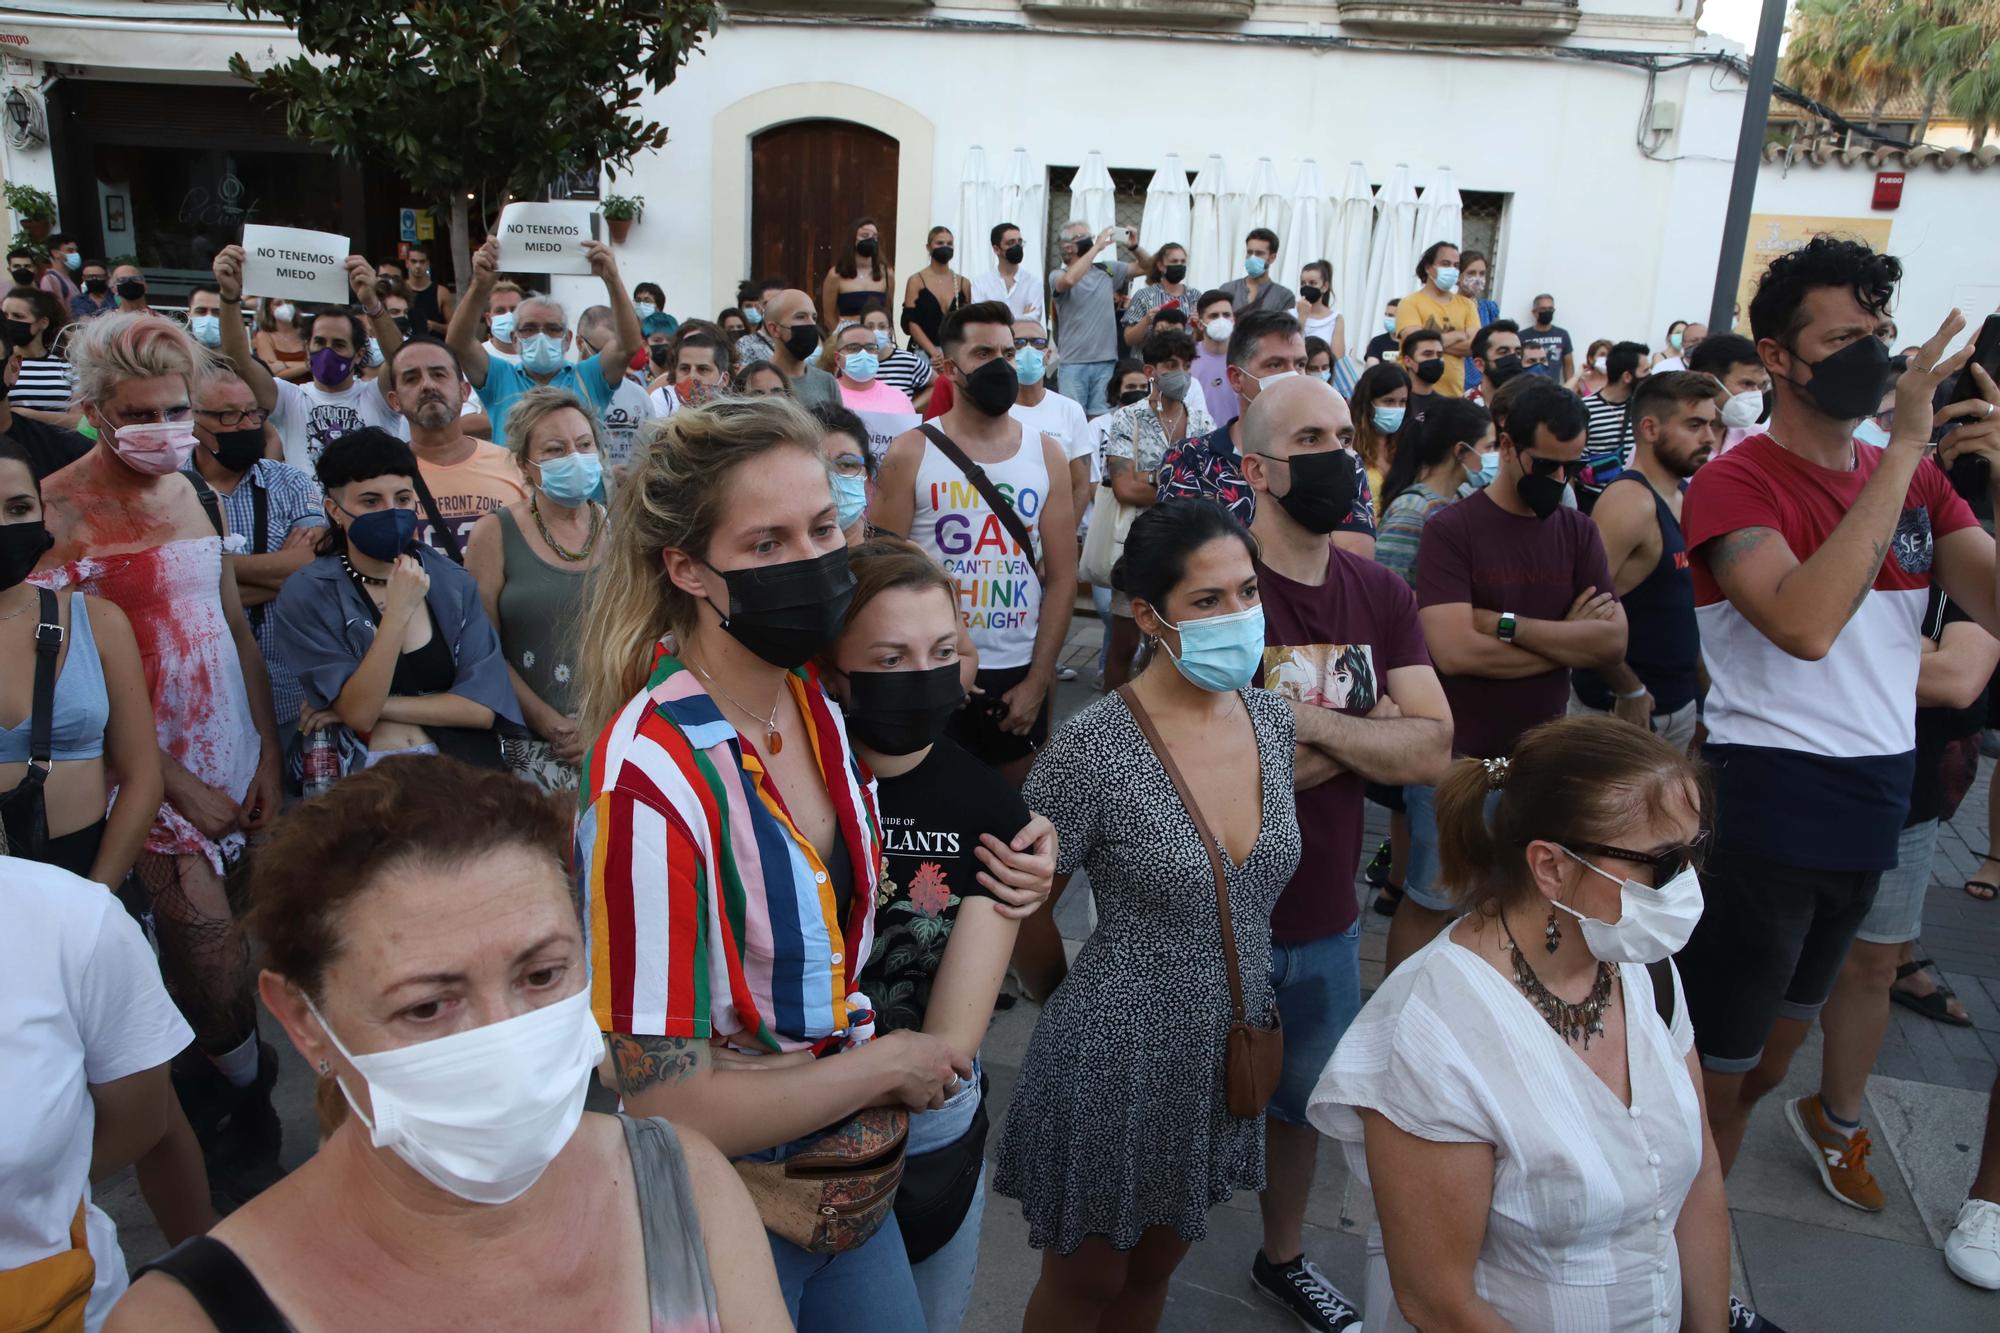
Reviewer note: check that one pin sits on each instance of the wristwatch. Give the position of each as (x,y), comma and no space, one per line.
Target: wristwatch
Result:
(1506,629)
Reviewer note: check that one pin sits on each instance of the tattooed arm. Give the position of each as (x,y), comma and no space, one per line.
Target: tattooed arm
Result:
(1802,606)
(747,1109)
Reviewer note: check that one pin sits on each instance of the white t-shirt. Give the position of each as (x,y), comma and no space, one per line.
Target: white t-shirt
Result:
(511,358)
(308,417)
(664,400)
(630,408)
(84,1005)
(1058,416)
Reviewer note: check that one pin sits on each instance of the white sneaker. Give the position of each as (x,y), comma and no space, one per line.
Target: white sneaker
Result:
(1972,1250)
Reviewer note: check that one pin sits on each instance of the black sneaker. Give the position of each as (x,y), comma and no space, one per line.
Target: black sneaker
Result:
(1743,1317)
(1301,1288)
(1377,873)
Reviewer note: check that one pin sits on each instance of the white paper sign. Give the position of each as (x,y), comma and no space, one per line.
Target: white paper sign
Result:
(884,427)
(545,238)
(284,261)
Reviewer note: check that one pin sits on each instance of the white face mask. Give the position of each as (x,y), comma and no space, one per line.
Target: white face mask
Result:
(1218,330)
(1652,923)
(1598,364)
(482,1113)
(1743,409)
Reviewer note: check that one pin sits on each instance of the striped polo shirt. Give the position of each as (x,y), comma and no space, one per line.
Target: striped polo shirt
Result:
(1813,760)
(707,912)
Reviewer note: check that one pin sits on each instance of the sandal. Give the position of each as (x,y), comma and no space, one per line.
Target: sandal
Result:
(1934,1005)
(1991,889)
(1389,899)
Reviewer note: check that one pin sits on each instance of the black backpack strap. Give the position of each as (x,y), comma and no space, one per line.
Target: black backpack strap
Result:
(438,525)
(982,483)
(206,494)
(227,1292)
(1662,973)
(260,539)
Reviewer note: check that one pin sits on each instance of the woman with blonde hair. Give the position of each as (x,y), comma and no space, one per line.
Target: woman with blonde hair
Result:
(1522,1092)
(280,340)
(532,559)
(729,851)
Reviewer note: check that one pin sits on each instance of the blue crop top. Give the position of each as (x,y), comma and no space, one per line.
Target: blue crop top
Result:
(82,707)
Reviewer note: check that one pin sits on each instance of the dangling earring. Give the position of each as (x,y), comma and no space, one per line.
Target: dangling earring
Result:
(1552,936)
(325,1068)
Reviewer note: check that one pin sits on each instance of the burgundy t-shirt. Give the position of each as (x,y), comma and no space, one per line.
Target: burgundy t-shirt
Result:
(1333,645)
(1477,552)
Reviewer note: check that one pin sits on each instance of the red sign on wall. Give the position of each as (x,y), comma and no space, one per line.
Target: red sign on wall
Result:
(1888,189)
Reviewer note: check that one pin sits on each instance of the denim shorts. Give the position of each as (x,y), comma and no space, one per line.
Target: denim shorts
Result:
(1317,984)
(1898,913)
(1421,883)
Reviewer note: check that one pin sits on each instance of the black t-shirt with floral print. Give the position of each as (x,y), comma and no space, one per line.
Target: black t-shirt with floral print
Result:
(932,817)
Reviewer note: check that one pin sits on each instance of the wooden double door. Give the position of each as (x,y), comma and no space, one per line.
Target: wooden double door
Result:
(809,181)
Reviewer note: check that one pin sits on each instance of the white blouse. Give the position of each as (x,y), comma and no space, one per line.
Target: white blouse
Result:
(1586,1190)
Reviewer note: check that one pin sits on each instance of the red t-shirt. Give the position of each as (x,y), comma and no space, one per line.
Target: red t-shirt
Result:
(1333,645)
(1477,552)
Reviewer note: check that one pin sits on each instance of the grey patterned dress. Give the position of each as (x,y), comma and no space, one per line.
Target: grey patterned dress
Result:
(1119,1122)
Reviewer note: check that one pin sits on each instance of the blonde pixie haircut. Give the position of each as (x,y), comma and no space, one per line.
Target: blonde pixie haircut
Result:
(536,406)
(110,349)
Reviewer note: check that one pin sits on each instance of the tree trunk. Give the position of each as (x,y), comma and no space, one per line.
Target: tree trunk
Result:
(461,242)
(1930,105)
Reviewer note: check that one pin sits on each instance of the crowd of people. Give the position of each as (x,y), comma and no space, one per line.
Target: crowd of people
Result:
(621,752)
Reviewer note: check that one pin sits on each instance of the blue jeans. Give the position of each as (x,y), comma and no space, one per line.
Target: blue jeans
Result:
(1421,884)
(866,1290)
(1317,984)
(1086,382)
(1101,599)
(944,1280)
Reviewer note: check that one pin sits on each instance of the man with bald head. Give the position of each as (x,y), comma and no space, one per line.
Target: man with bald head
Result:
(791,323)
(1343,644)
(1691,337)
(542,336)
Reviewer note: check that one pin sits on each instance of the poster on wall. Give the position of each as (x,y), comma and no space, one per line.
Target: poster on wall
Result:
(1774,234)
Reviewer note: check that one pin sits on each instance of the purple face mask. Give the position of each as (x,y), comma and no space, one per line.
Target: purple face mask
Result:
(330,367)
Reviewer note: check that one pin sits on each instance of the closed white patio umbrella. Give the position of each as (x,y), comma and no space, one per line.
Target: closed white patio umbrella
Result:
(978,205)
(1024,202)
(1304,234)
(1169,206)
(1353,223)
(1091,196)
(1392,248)
(1208,261)
(1440,213)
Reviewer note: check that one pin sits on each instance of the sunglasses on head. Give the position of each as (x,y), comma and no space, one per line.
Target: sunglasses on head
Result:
(1664,864)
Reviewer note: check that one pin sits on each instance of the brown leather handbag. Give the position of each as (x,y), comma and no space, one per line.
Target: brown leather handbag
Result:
(1255,1056)
(833,1195)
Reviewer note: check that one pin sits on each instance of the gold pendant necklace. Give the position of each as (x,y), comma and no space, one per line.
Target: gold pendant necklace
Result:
(774,740)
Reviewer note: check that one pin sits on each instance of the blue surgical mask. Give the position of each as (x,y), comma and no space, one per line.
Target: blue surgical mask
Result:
(645,309)
(881,340)
(754,315)
(1030,365)
(850,499)
(374,350)
(1870,432)
(382,534)
(1489,468)
(1388,420)
(1447,279)
(572,479)
(1325,376)
(1254,265)
(861,367)
(503,327)
(1221,653)
(1388,323)
(541,353)
(73,261)
(207,329)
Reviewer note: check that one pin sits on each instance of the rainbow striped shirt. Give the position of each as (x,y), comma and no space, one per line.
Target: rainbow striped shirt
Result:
(707,912)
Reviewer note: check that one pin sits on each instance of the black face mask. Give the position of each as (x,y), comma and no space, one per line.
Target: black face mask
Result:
(1430,372)
(941,255)
(1131,396)
(239,450)
(1013,253)
(21,548)
(900,712)
(17,332)
(95,286)
(1545,316)
(403,325)
(131,289)
(1848,384)
(1542,495)
(802,341)
(1311,295)
(661,354)
(1322,493)
(787,614)
(993,387)
(865,247)
(1501,369)
(23,277)
(1176,273)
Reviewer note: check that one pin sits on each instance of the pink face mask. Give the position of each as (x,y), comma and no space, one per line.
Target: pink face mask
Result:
(155,448)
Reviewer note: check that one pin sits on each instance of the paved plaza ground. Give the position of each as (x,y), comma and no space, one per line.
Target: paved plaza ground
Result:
(1811,1264)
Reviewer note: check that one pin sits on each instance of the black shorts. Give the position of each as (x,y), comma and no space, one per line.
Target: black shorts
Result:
(1389,798)
(1770,944)
(977,725)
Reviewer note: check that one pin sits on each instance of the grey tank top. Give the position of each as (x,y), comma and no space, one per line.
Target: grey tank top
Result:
(538,618)
(678,1286)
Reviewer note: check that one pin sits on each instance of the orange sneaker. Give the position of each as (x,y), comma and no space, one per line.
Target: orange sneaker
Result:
(1842,1160)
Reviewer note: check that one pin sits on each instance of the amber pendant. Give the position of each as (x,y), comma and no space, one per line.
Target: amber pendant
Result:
(774,741)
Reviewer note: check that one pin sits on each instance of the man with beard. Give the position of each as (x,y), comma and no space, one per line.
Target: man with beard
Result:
(1497,353)
(467,478)
(1676,426)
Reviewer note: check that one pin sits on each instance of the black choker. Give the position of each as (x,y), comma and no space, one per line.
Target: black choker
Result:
(354,573)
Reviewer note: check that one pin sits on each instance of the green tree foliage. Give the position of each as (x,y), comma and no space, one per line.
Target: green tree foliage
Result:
(1865,53)
(478,96)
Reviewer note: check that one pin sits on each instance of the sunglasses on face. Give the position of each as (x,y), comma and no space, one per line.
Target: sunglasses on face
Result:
(1041,344)
(1664,864)
(1570,468)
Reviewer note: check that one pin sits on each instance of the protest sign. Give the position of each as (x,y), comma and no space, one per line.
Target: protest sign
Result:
(285,261)
(884,427)
(545,238)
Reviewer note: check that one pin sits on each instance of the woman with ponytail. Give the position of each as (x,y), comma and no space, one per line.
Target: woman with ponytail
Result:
(1522,1091)
(728,849)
